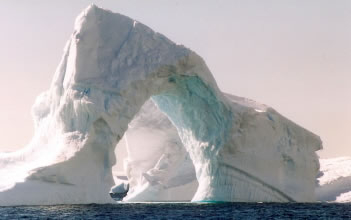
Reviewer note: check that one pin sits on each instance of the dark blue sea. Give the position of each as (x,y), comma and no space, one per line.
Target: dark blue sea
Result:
(181,211)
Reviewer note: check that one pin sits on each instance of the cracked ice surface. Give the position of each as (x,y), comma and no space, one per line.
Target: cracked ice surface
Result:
(241,150)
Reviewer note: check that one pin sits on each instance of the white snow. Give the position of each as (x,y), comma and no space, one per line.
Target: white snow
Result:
(334,181)
(241,150)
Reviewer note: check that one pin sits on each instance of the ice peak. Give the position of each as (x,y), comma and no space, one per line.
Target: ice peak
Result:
(89,13)
(91,9)
(92,5)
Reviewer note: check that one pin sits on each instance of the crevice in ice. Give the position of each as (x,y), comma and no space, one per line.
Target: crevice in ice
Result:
(257,183)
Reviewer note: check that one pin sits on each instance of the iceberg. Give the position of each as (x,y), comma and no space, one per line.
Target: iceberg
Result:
(120,191)
(239,150)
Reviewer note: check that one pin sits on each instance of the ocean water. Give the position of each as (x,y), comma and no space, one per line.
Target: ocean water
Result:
(181,211)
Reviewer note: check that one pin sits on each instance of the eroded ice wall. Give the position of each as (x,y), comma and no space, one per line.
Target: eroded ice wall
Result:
(112,65)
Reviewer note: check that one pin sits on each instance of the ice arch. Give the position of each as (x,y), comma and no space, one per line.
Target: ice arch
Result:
(242,151)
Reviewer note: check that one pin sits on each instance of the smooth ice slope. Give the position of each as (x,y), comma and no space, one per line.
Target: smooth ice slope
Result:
(112,64)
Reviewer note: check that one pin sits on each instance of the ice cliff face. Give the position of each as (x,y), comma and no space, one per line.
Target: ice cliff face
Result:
(112,65)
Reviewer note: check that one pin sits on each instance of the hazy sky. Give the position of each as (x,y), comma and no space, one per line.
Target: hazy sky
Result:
(292,55)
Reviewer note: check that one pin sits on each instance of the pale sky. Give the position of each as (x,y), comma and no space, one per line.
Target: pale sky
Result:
(292,55)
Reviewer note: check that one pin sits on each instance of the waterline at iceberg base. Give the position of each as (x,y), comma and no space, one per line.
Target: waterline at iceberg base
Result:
(112,65)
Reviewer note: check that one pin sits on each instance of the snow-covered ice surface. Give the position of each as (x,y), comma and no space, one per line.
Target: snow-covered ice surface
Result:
(334,180)
(241,150)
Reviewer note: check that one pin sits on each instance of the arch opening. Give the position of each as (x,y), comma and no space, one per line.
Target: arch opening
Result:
(158,165)
(201,123)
